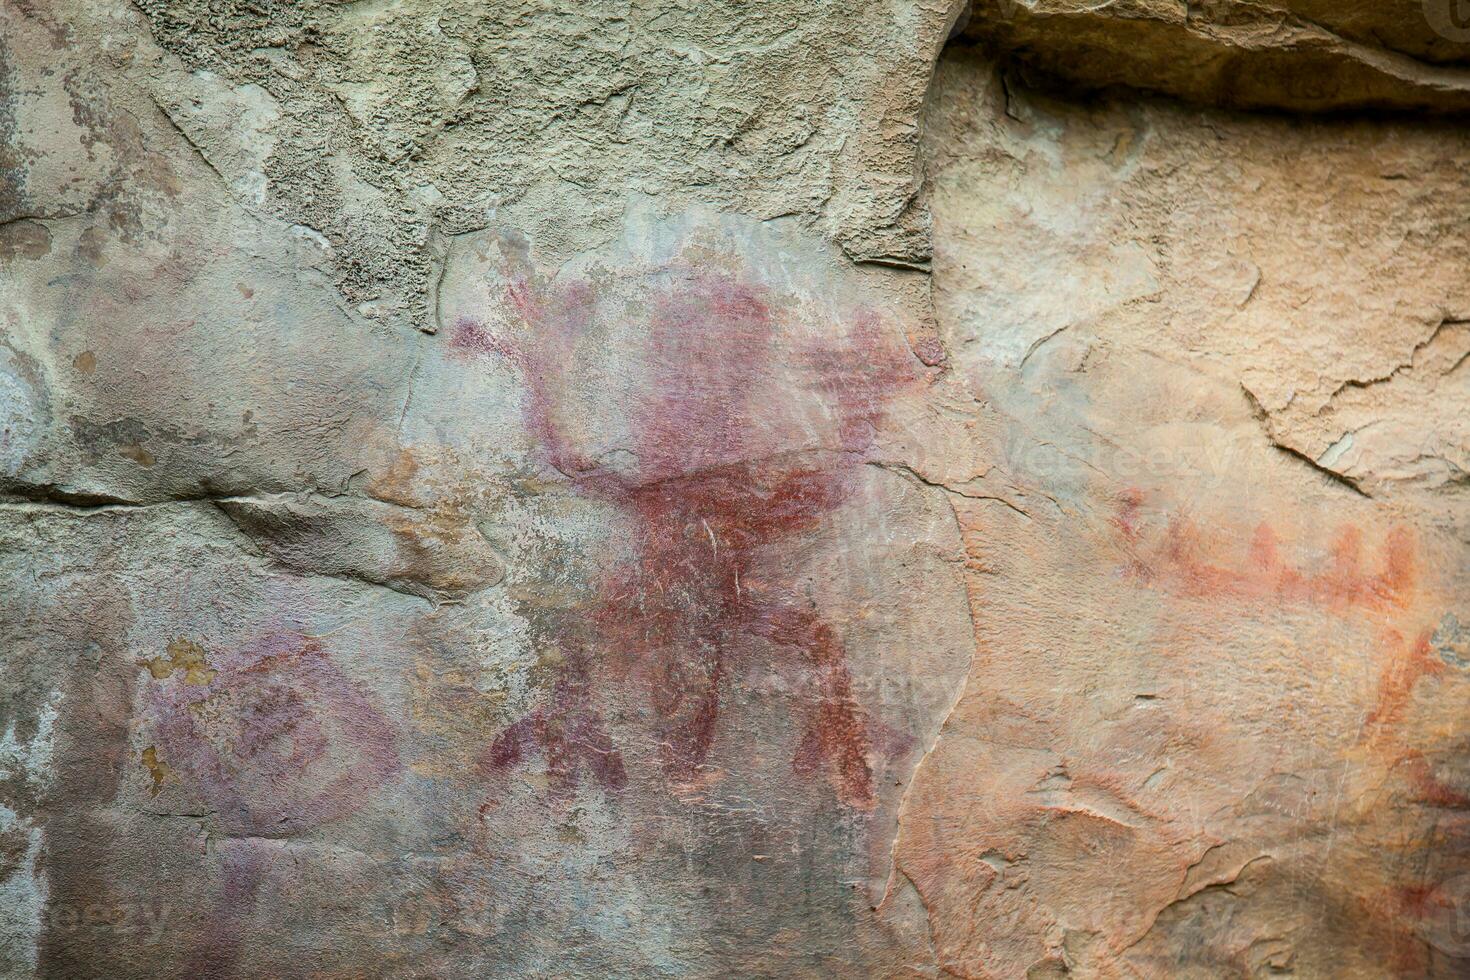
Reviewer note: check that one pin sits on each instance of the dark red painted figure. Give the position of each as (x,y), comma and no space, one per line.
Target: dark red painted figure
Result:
(744,435)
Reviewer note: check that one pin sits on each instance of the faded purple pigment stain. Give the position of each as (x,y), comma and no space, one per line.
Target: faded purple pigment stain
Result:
(744,434)
(279,740)
(242,869)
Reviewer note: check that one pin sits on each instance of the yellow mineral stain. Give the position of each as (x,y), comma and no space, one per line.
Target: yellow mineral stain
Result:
(139,455)
(449,703)
(397,484)
(184,656)
(157,769)
(85,362)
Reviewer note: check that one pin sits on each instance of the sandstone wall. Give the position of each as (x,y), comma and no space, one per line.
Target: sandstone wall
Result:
(793,489)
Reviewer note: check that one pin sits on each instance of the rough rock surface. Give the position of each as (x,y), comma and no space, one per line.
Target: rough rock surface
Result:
(1308,55)
(510,489)
(1216,721)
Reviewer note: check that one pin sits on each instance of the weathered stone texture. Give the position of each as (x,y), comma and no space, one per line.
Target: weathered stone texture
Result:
(1309,55)
(1215,724)
(518,489)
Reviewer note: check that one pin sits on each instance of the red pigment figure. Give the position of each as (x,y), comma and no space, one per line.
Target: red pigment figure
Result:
(745,435)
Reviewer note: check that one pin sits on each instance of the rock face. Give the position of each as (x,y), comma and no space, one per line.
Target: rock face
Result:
(1308,55)
(1216,696)
(513,490)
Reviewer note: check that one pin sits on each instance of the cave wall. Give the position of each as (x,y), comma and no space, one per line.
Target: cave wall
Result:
(798,489)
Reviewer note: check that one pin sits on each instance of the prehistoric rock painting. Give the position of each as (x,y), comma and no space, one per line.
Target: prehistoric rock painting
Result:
(913,490)
(273,739)
(723,469)
(702,645)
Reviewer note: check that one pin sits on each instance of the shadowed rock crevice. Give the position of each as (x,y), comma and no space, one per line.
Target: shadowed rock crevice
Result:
(1299,55)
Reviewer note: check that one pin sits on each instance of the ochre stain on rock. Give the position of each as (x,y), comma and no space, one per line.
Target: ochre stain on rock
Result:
(139,455)
(1186,560)
(157,769)
(185,657)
